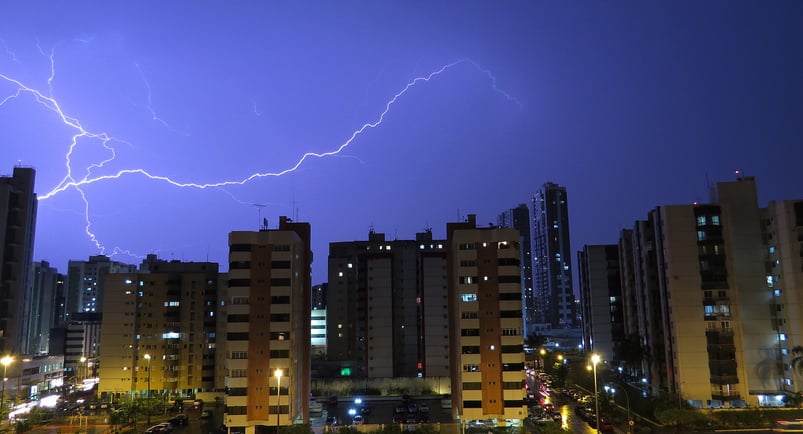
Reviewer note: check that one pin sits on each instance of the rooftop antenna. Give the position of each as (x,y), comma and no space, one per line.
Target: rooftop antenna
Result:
(259,207)
(264,224)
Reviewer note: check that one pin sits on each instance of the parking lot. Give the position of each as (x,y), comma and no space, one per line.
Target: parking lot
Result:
(384,410)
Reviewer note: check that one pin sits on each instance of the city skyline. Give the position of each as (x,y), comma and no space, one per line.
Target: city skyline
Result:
(445,110)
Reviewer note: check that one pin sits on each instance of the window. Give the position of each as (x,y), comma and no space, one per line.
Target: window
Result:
(468,297)
(701,221)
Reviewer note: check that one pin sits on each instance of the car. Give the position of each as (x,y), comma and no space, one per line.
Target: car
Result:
(206,414)
(156,429)
(331,421)
(168,427)
(358,420)
(423,408)
(605,425)
(178,420)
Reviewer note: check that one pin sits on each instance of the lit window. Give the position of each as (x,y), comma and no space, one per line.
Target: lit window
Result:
(350,265)
(339,274)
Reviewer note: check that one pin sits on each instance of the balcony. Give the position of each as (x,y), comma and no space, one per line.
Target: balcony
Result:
(725,396)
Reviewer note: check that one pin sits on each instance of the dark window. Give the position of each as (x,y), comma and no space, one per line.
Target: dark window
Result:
(512,349)
(279,354)
(280,282)
(233,283)
(239,265)
(280,264)
(510,279)
(280,299)
(472,404)
(471,349)
(240,248)
(472,386)
(237,336)
(510,296)
(280,317)
(510,314)
(469,332)
(238,318)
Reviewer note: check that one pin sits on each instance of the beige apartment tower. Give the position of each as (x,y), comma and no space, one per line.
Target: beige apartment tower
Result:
(485,311)
(158,334)
(268,328)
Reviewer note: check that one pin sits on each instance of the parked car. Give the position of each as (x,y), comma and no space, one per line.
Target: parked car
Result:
(178,420)
(358,420)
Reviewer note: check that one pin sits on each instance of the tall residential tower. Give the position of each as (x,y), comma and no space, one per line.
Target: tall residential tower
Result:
(552,257)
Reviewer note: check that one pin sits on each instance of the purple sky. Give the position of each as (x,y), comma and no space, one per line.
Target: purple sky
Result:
(628,104)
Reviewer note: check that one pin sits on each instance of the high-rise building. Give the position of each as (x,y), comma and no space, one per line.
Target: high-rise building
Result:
(519,218)
(159,330)
(387,307)
(85,282)
(552,263)
(487,347)
(601,299)
(718,287)
(17,227)
(268,328)
(47,286)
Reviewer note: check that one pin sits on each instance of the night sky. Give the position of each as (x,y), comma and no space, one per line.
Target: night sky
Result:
(629,105)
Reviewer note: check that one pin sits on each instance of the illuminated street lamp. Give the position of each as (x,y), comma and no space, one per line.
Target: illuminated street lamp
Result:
(594,361)
(148,407)
(79,380)
(5,361)
(278,374)
(543,353)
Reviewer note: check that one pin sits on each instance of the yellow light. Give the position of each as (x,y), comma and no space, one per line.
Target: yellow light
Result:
(6,360)
(278,373)
(595,359)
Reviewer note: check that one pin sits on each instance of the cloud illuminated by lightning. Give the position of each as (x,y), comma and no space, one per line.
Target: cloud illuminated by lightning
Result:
(77,182)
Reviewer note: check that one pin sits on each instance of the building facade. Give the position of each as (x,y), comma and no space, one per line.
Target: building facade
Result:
(47,286)
(487,346)
(717,290)
(17,226)
(387,307)
(601,299)
(158,336)
(519,218)
(85,282)
(552,263)
(268,328)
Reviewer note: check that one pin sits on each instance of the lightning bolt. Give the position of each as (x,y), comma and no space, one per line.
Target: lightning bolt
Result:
(71,181)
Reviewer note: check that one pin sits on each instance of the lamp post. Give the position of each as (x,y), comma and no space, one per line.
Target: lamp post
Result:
(5,361)
(79,379)
(627,397)
(542,352)
(594,361)
(148,406)
(278,374)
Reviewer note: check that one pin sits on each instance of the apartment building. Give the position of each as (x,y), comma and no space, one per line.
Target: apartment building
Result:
(268,328)
(158,335)
(387,307)
(485,311)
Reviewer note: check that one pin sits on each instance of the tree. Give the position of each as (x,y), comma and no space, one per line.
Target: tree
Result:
(534,340)
(797,360)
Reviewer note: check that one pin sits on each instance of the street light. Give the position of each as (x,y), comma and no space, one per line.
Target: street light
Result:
(148,407)
(278,374)
(5,361)
(627,397)
(594,361)
(81,366)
